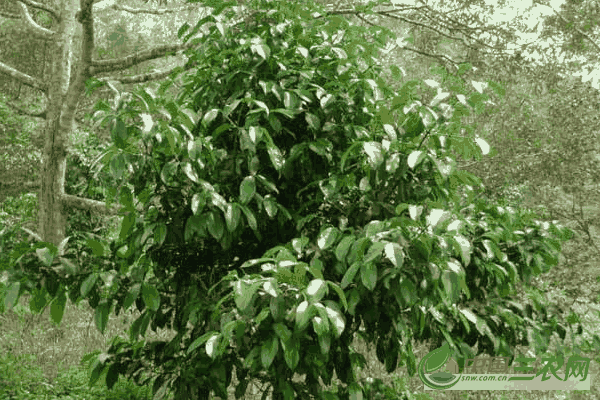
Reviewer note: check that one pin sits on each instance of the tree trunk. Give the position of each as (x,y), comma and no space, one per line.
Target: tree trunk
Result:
(59,123)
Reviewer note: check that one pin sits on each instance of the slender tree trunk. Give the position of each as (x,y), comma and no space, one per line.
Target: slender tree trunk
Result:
(62,100)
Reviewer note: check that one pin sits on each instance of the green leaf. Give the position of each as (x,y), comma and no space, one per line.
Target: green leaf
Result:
(335,317)
(408,291)
(118,166)
(291,100)
(313,121)
(291,353)
(464,248)
(244,293)
(209,117)
(270,206)
(212,345)
(126,198)
(232,217)
(269,351)
(38,300)
(415,158)
(151,296)
(215,224)
(340,293)
(119,134)
(88,284)
(299,244)
(275,155)
(132,295)
(68,266)
(283,332)
(45,255)
(160,233)
(96,246)
(267,184)
(101,316)
(368,275)
(200,341)
(57,308)
(274,122)
(349,275)
(198,203)
(393,252)
(247,189)
(321,325)
(304,314)
(168,174)
(327,238)
(413,125)
(316,290)
(374,252)
(98,368)
(251,220)
(373,151)
(277,307)
(255,134)
(342,248)
(189,171)
(112,375)
(195,224)
(358,249)
(262,50)
(352,150)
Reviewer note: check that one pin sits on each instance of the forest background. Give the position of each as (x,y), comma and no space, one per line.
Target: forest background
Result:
(541,124)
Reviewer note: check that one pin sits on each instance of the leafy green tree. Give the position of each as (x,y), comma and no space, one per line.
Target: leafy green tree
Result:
(283,197)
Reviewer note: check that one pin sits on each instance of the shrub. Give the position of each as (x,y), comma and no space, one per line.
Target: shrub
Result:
(291,197)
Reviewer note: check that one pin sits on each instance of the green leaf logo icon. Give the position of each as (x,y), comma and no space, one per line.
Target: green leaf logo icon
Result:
(434,361)
(437,358)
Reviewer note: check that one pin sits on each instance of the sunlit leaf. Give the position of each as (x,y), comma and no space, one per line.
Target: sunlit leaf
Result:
(415,158)
(327,238)
(483,145)
(393,252)
(479,86)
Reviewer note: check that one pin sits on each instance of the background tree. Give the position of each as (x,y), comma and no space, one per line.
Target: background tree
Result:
(72,60)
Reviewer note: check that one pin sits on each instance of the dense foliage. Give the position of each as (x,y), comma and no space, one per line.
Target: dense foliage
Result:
(285,197)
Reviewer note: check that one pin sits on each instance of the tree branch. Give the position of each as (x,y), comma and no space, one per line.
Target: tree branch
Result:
(34,28)
(23,78)
(436,56)
(41,114)
(578,30)
(141,78)
(117,64)
(80,203)
(41,6)
(149,11)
